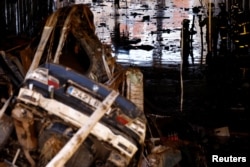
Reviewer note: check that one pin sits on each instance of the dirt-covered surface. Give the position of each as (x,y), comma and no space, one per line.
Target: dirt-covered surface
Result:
(201,98)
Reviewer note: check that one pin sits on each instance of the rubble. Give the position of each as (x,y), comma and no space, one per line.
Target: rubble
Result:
(50,95)
(143,127)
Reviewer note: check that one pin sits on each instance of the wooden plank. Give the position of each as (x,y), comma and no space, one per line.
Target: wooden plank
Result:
(64,34)
(5,106)
(75,142)
(47,30)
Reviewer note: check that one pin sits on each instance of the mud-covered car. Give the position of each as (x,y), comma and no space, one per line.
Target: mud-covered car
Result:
(67,74)
(57,101)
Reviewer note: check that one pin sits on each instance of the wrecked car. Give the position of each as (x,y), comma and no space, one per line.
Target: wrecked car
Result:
(56,102)
(59,82)
(66,102)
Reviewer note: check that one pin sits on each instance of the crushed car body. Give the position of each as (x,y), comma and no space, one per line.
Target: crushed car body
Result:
(72,98)
(68,76)
(65,101)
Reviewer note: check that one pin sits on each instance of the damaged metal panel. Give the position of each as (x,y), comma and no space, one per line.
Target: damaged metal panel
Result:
(35,95)
(81,43)
(55,98)
(59,97)
(71,147)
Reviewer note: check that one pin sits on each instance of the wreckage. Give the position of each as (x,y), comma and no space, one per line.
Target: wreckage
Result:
(67,102)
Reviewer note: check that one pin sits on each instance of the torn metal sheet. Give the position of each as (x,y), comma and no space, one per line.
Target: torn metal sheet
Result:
(56,97)
(68,73)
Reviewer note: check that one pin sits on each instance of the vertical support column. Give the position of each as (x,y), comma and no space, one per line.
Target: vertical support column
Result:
(135,92)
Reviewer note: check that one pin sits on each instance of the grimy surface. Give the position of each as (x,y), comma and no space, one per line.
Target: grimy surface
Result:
(149,30)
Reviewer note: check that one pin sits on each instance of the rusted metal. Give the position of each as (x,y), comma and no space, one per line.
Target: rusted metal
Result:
(124,135)
(64,33)
(24,125)
(100,68)
(71,147)
(135,91)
